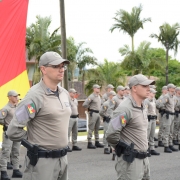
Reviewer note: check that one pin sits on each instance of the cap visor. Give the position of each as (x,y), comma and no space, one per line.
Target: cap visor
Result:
(147,82)
(59,61)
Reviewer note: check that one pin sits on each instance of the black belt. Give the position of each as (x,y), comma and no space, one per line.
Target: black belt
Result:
(52,154)
(150,117)
(93,110)
(169,112)
(74,116)
(139,155)
(5,128)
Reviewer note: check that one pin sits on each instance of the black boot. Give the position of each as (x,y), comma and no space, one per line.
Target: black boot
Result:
(175,142)
(98,145)
(113,156)
(16,174)
(167,150)
(106,151)
(69,149)
(153,152)
(172,148)
(4,175)
(155,139)
(160,144)
(9,165)
(91,146)
(76,148)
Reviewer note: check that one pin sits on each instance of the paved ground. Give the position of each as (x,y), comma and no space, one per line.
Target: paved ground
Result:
(94,165)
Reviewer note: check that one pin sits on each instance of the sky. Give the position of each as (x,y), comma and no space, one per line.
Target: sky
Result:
(90,20)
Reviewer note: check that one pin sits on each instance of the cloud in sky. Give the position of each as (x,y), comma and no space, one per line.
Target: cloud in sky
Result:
(90,20)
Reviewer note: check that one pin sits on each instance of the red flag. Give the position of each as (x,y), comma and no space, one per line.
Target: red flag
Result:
(13,74)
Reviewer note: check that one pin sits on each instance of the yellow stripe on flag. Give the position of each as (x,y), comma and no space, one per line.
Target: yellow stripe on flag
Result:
(19,84)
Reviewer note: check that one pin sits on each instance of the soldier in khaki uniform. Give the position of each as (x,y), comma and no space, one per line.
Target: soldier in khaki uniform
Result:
(118,99)
(109,88)
(106,112)
(166,105)
(126,91)
(127,132)
(93,103)
(119,96)
(73,122)
(176,117)
(45,111)
(152,117)
(177,113)
(8,146)
(161,130)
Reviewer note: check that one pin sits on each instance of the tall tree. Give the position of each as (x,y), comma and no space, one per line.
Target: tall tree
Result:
(84,57)
(168,37)
(129,23)
(39,40)
(142,60)
(105,73)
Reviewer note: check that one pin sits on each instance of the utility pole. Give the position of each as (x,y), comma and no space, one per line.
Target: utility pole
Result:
(63,40)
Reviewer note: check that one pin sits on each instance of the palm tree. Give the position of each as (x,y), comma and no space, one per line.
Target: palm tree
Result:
(168,37)
(129,23)
(141,60)
(84,57)
(39,40)
(105,73)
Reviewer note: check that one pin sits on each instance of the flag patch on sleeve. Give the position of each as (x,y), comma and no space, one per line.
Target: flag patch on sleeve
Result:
(119,121)
(31,108)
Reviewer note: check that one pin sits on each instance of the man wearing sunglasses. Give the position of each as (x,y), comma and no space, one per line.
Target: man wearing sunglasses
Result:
(45,111)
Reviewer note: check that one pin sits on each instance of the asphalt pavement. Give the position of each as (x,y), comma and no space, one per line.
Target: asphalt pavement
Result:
(92,164)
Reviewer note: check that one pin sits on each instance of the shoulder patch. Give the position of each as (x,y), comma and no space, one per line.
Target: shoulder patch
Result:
(3,113)
(123,118)
(25,112)
(105,107)
(119,121)
(31,108)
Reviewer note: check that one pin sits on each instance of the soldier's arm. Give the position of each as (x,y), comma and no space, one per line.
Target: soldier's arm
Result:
(121,118)
(88,101)
(25,112)
(161,102)
(3,114)
(103,110)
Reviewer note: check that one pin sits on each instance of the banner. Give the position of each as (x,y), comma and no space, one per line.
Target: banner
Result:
(13,74)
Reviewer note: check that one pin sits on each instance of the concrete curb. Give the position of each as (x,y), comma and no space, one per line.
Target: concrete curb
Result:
(84,138)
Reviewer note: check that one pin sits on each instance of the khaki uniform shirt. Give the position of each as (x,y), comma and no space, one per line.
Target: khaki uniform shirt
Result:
(104,98)
(74,106)
(118,99)
(167,102)
(107,108)
(45,115)
(93,102)
(6,113)
(151,106)
(129,124)
(177,104)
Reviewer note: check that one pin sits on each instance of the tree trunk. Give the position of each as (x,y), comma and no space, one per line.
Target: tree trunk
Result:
(167,51)
(83,77)
(63,40)
(132,38)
